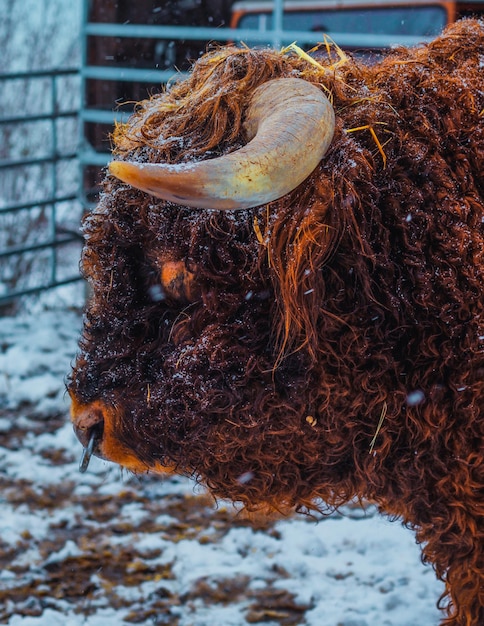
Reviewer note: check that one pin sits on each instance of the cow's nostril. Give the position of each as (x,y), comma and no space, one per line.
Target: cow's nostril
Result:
(85,420)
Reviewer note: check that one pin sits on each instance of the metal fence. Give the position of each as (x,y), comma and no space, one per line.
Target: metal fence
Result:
(39,181)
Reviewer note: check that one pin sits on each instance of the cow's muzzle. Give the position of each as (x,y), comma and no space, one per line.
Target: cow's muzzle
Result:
(97,425)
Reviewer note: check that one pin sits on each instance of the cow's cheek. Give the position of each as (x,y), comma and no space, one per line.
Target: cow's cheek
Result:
(97,415)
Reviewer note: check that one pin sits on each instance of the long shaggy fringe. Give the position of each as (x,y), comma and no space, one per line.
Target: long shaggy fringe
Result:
(335,345)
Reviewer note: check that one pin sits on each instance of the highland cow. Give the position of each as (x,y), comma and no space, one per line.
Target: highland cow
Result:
(288,291)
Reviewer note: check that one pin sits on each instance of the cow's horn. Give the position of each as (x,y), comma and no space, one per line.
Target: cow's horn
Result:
(290,124)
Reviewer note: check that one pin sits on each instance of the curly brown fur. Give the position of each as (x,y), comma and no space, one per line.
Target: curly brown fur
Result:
(361,303)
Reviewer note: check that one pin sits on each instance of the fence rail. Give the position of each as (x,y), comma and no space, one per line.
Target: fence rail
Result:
(39,181)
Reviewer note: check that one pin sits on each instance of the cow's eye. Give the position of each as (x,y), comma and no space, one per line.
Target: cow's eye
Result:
(177,282)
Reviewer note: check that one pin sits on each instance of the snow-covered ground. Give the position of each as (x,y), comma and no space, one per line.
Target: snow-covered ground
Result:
(106,548)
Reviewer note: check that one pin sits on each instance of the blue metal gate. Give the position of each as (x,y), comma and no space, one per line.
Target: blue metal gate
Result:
(39,205)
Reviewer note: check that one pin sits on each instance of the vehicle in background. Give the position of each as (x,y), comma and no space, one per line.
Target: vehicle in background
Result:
(354,24)
(397,20)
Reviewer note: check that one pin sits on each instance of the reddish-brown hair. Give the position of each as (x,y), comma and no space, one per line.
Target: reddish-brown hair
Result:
(326,347)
